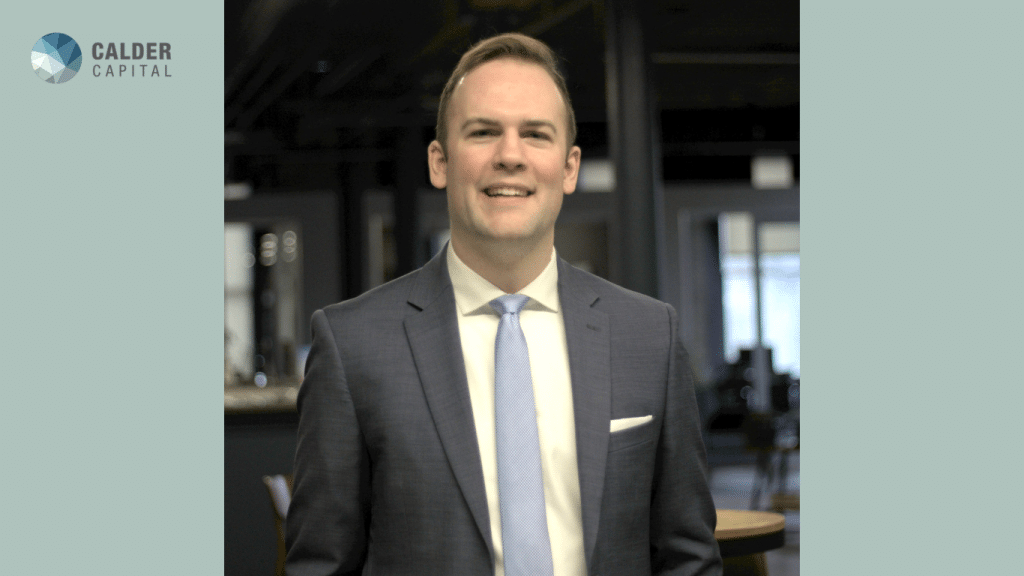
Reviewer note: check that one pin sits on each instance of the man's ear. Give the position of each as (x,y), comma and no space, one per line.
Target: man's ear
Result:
(437,162)
(572,170)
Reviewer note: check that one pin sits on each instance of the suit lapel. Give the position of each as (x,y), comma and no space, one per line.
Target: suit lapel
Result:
(433,335)
(588,340)
(434,340)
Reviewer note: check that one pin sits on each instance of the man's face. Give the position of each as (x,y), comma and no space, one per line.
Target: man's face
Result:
(507,167)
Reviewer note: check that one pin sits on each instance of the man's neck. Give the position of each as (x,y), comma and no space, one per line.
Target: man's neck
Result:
(510,266)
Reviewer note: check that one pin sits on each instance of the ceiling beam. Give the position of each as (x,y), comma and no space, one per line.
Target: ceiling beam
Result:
(727,58)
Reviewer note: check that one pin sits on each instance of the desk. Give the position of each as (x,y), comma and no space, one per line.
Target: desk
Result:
(743,537)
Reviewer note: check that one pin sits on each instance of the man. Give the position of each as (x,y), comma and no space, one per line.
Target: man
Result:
(447,427)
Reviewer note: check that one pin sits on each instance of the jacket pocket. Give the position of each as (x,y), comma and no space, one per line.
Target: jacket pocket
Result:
(634,436)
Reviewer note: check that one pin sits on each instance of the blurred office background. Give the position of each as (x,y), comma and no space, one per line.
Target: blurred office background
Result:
(688,115)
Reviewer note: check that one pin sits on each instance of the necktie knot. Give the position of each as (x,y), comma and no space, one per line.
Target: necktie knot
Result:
(509,303)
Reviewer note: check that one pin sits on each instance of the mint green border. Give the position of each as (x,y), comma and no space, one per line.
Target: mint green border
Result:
(111,430)
(111,419)
(911,209)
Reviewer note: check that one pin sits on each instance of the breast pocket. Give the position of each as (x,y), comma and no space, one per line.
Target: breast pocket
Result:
(634,436)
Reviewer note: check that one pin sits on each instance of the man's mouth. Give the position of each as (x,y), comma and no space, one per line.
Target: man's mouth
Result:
(507,191)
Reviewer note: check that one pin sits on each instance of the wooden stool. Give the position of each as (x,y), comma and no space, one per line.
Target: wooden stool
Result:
(743,537)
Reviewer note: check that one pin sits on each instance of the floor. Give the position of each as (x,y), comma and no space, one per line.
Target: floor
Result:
(731,487)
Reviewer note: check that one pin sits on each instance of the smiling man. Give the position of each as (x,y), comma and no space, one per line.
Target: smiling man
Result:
(499,411)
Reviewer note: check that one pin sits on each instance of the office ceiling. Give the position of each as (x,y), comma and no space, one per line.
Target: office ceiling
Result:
(314,87)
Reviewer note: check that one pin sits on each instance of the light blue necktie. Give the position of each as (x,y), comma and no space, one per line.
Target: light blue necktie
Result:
(524,526)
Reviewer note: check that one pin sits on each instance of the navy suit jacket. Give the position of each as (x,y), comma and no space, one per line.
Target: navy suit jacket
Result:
(388,479)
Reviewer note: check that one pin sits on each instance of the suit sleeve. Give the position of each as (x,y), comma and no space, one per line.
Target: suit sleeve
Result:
(329,513)
(682,512)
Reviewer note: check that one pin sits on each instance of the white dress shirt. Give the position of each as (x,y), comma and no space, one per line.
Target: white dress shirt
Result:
(544,328)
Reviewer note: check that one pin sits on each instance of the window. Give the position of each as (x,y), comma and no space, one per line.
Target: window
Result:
(779,284)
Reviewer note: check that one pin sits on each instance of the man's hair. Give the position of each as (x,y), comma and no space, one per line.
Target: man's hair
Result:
(510,45)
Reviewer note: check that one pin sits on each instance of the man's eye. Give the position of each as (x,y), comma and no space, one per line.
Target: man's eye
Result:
(483,132)
(539,135)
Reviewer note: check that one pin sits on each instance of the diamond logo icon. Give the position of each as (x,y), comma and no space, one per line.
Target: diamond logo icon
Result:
(56,58)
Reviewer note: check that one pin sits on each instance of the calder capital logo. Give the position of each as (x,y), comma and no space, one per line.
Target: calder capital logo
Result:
(56,58)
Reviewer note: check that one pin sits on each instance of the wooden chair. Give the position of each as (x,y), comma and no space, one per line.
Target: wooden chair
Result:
(279,487)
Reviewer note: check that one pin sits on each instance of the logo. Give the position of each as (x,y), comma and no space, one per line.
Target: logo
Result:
(125,59)
(56,58)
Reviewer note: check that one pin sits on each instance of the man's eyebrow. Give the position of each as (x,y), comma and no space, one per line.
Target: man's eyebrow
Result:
(541,124)
(484,121)
(526,124)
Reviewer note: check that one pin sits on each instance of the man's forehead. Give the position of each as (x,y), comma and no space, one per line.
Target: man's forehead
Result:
(486,76)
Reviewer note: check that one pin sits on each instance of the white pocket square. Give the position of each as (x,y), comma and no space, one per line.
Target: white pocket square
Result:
(626,423)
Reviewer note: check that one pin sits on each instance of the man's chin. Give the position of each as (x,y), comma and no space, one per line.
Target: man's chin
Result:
(499,239)
(511,236)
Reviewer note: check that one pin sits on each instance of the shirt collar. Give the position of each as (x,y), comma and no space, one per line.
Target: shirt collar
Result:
(473,293)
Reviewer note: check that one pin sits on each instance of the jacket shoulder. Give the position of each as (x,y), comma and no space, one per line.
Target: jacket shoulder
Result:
(607,296)
(389,301)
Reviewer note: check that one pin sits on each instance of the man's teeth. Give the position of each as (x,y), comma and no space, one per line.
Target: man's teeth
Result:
(505,192)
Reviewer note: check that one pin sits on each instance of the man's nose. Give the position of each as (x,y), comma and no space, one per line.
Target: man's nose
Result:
(509,155)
